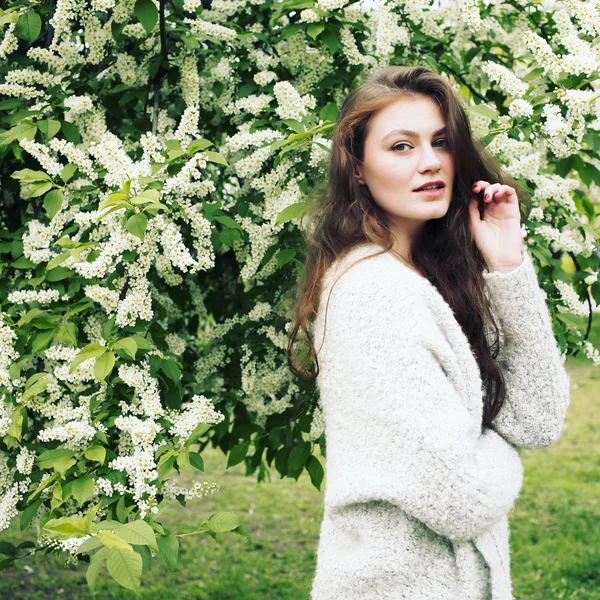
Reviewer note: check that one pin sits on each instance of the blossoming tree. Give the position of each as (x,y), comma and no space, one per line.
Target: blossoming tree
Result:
(156,158)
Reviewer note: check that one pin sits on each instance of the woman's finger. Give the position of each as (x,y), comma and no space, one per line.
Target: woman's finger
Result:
(480,185)
(490,191)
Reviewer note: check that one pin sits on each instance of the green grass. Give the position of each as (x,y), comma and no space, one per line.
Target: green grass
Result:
(555,528)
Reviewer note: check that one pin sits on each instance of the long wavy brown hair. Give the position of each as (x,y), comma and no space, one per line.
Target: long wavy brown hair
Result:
(344,214)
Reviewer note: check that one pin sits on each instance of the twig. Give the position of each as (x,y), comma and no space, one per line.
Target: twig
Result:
(164,52)
(589,301)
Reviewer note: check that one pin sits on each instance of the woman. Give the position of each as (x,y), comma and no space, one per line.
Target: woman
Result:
(423,415)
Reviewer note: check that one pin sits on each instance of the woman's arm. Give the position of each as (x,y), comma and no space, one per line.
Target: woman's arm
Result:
(537,384)
(397,431)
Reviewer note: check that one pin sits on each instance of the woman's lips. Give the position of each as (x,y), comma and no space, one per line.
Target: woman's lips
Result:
(431,193)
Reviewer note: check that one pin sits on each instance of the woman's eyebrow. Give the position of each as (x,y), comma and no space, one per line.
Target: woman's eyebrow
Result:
(412,133)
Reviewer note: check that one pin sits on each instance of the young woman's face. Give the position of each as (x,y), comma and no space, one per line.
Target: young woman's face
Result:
(396,163)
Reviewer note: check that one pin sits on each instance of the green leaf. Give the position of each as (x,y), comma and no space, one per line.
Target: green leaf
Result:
(96,563)
(122,510)
(298,456)
(16,425)
(29,175)
(66,527)
(242,532)
(9,17)
(90,351)
(37,388)
(58,274)
(571,320)
(49,127)
(113,541)
(190,41)
(42,340)
(104,365)
(71,132)
(96,453)
(146,555)
(542,254)
(147,13)
(68,172)
(285,256)
(171,370)
(480,109)
(29,26)
(47,459)
(142,343)
(196,461)
(315,470)
(39,189)
(18,132)
(168,550)
(138,532)
(46,483)
(82,489)
(68,334)
(533,74)
(200,429)
(314,29)
(329,112)
(22,263)
(57,260)
(29,514)
(216,158)
(116,29)
(14,371)
(53,200)
(62,465)
(223,521)
(330,39)
(229,236)
(34,378)
(183,459)
(237,454)
(225,220)
(125,566)
(291,212)
(165,467)
(136,224)
(90,544)
(128,345)
(197,145)
(294,125)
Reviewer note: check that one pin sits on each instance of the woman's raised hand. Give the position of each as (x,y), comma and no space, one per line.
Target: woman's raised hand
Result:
(498,233)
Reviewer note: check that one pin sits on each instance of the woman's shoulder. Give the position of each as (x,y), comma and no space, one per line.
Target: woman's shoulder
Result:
(368,265)
(367,280)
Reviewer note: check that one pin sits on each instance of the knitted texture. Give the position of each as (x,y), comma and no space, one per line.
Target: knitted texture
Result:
(417,492)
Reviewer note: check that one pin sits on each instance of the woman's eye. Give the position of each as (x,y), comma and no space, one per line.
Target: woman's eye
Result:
(444,141)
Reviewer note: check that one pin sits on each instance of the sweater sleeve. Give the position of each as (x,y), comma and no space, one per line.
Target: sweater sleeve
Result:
(397,429)
(537,384)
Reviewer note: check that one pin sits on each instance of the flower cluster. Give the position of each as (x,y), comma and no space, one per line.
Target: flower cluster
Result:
(145,263)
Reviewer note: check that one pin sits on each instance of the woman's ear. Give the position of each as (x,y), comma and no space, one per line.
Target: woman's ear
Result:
(358,176)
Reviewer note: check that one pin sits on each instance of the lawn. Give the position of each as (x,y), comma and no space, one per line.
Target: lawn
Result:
(555,528)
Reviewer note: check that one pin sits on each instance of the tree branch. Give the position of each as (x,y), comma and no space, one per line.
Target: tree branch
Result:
(587,297)
(162,69)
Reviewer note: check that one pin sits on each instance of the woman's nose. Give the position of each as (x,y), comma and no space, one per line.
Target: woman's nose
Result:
(429,159)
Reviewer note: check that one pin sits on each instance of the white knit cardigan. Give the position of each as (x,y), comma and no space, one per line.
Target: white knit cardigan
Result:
(417,492)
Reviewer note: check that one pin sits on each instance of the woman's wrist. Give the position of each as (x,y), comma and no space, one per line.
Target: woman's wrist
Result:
(505,268)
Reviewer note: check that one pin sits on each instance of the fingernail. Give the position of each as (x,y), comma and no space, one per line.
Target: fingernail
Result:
(474,186)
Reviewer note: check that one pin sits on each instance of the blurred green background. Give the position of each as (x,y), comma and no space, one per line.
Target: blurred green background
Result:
(555,527)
